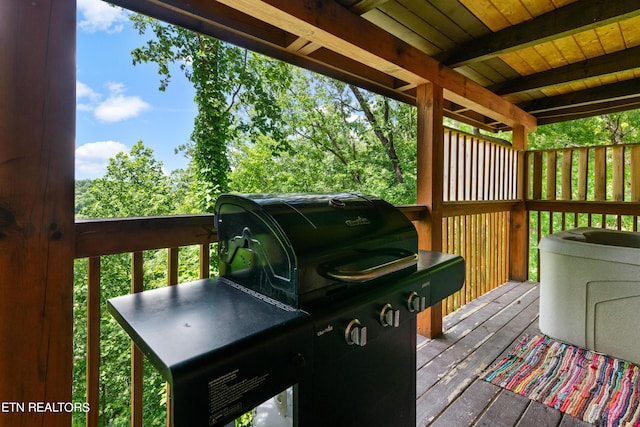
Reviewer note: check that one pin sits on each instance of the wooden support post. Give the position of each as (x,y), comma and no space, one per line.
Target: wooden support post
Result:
(519,232)
(37,145)
(429,182)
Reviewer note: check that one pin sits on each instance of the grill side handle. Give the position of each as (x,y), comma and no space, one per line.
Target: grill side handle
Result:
(371,273)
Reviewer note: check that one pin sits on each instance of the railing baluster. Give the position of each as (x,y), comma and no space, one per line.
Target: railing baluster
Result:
(617,159)
(583,171)
(137,285)
(93,342)
(551,175)
(635,177)
(172,280)
(537,175)
(567,161)
(205,257)
(600,172)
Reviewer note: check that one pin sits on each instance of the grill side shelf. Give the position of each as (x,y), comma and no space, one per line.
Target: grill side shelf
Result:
(222,350)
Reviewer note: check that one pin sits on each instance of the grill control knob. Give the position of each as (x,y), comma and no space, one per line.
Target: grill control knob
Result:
(389,316)
(416,303)
(356,334)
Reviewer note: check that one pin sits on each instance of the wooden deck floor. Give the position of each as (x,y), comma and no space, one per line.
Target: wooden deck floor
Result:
(475,336)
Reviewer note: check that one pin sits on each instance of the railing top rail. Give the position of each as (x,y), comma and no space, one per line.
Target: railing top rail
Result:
(97,237)
(583,147)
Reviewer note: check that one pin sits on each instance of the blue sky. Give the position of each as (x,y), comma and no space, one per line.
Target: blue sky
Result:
(119,104)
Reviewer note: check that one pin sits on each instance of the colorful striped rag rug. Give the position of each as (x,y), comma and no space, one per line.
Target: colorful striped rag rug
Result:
(596,388)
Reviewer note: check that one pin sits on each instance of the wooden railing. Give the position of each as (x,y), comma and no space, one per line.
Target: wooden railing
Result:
(582,187)
(98,238)
(479,194)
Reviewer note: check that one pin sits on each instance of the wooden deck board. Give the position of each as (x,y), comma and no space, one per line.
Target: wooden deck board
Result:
(479,334)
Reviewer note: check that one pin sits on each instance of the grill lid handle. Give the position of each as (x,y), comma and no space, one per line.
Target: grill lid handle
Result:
(371,273)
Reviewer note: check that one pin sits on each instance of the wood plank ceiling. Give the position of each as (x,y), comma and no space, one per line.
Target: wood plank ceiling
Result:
(557,60)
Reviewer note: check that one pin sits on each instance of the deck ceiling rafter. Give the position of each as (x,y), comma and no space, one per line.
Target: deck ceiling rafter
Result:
(562,22)
(602,66)
(612,92)
(583,111)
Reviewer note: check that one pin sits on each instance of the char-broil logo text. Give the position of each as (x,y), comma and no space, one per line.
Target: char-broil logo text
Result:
(357,222)
(329,328)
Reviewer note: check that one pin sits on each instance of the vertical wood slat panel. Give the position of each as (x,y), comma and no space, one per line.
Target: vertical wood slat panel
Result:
(507,175)
(446,172)
(482,170)
(452,169)
(600,172)
(503,173)
(479,239)
(469,294)
(460,182)
(494,249)
(635,177)
(551,175)
(473,241)
(468,167)
(451,299)
(494,173)
(446,243)
(93,341)
(567,157)
(475,172)
(583,171)
(537,175)
(617,173)
(137,285)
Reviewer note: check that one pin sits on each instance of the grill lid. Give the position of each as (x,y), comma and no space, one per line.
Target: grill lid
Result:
(300,248)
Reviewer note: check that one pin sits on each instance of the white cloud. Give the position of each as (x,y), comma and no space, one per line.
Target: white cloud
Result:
(120,107)
(92,158)
(86,97)
(115,108)
(98,15)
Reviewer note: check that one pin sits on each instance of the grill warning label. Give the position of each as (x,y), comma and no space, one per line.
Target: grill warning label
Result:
(226,393)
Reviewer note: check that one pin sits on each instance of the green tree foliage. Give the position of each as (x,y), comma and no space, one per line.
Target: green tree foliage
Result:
(236,94)
(134,185)
(615,128)
(82,190)
(340,138)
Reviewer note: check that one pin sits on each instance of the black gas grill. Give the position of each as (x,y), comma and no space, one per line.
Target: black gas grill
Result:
(318,292)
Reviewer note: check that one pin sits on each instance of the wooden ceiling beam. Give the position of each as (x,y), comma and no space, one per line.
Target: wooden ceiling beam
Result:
(624,60)
(581,112)
(345,33)
(611,92)
(361,7)
(562,22)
